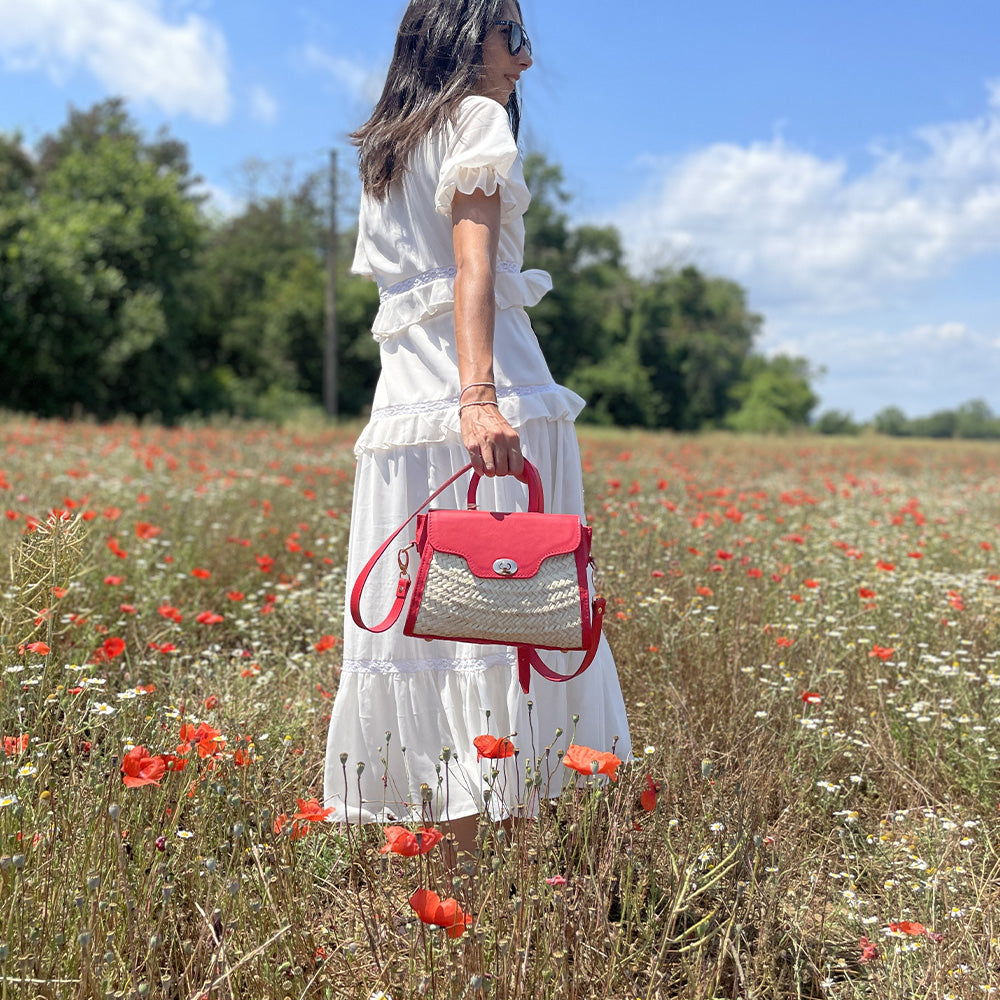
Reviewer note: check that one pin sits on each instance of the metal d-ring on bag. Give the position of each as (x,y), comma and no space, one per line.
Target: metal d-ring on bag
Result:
(515,579)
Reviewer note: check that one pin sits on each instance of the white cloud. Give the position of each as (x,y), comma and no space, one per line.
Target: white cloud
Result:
(125,44)
(263,106)
(799,230)
(870,365)
(363,83)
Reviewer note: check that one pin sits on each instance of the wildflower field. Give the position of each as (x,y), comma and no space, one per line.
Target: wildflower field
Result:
(807,635)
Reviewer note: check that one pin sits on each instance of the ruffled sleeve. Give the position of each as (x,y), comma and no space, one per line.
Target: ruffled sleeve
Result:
(361,265)
(482,155)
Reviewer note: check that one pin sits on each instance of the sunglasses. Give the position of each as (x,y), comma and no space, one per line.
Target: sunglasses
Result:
(517,37)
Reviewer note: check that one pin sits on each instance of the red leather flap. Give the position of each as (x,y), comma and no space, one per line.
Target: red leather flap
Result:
(482,537)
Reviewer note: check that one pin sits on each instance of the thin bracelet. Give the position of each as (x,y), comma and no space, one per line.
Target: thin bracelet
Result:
(473,385)
(480,402)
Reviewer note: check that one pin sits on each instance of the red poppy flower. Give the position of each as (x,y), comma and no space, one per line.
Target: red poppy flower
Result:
(139,768)
(493,748)
(207,740)
(866,593)
(444,913)
(201,574)
(146,531)
(170,612)
(310,811)
(582,759)
(113,647)
(811,697)
(41,648)
(912,927)
(886,567)
(298,830)
(13,745)
(882,652)
(648,797)
(410,843)
(326,642)
(869,950)
(907,927)
(209,618)
(784,641)
(235,595)
(113,581)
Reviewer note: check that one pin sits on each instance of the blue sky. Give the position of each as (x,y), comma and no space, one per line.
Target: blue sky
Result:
(841,161)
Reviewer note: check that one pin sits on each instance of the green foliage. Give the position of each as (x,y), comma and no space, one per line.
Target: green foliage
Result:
(118,294)
(17,170)
(972,420)
(97,253)
(618,390)
(975,420)
(892,421)
(776,396)
(694,334)
(584,316)
(835,422)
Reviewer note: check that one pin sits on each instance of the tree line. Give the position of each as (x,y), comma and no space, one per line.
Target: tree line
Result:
(120,293)
(971,421)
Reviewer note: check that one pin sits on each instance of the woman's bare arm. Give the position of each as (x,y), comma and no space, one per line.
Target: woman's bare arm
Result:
(494,446)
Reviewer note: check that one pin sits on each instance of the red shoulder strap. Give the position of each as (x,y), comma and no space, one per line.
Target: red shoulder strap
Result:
(403,587)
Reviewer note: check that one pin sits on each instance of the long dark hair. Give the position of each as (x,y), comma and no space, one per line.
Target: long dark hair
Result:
(438,60)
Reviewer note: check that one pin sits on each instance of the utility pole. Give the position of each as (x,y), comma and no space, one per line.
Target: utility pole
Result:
(330,324)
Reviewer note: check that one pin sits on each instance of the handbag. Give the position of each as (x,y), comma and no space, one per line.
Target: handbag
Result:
(516,579)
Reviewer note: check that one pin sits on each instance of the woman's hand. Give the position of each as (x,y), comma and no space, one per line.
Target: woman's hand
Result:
(494,446)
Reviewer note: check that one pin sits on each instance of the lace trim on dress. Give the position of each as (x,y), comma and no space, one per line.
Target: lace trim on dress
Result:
(434,405)
(426,277)
(464,665)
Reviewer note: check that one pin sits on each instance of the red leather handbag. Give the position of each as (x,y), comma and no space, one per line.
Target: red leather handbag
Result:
(516,579)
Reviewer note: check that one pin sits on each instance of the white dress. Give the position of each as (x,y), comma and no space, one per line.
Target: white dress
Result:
(409,709)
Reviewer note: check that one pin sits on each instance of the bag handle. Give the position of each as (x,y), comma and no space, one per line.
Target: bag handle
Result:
(535,496)
(530,476)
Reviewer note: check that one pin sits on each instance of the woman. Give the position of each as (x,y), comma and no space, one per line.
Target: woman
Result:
(463,377)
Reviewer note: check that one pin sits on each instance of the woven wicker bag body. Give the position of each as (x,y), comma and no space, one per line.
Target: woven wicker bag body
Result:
(542,611)
(536,597)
